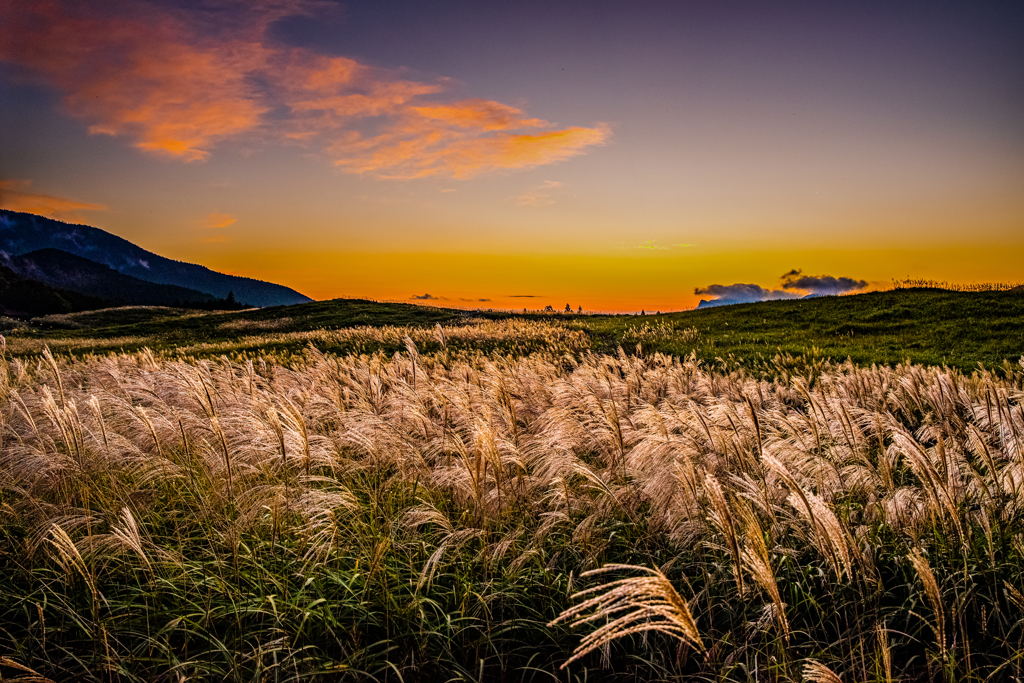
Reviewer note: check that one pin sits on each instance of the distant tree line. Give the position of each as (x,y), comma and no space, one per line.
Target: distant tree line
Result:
(228,303)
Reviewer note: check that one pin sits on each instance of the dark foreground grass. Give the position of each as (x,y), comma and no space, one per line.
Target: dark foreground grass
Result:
(252,607)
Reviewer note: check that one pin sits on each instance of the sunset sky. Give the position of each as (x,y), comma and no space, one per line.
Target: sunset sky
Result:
(609,155)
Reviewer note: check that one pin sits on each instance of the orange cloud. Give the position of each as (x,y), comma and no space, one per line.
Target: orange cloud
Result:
(177,83)
(417,148)
(480,114)
(145,75)
(542,195)
(525,151)
(14,195)
(220,220)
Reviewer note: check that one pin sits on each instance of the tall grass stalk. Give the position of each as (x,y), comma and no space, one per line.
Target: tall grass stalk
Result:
(437,511)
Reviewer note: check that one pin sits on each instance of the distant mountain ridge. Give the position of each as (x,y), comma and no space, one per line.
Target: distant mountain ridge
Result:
(22,233)
(710,303)
(64,271)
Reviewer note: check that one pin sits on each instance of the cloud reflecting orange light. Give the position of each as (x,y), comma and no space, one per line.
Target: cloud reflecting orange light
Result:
(481,114)
(220,220)
(542,195)
(177,86)
(422,148)
(15,196)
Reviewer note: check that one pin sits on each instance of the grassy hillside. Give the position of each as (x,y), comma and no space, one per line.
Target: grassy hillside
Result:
(167,325)
(927,326)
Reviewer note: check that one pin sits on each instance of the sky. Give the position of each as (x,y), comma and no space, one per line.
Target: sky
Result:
(613,156)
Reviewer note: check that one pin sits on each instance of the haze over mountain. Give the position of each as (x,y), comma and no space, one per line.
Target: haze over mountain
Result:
(21,233)
(64,271)
(21,296)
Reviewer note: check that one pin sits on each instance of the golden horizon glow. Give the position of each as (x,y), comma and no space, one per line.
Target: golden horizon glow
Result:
(533,281)
(16,196)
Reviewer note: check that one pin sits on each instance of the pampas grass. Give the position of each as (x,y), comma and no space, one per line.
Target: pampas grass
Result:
(650,603)
(441,510)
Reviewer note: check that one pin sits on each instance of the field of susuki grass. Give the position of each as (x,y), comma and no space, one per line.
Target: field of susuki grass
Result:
(424,502)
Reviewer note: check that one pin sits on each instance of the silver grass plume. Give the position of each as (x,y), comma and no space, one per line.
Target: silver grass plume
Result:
(931,591)
(650,603)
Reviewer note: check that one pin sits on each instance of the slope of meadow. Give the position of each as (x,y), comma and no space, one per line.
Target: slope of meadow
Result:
(425,514)
(929,326)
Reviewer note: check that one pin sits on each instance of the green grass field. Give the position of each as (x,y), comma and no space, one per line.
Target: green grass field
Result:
(929,326)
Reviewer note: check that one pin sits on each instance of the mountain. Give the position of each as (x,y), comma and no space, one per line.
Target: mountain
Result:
(24,297)
(21,233)
(61,270)
(709,303)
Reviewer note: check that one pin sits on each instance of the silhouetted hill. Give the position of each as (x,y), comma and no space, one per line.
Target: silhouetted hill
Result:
(21,233)
(62,270)
(23,297)
(711,303)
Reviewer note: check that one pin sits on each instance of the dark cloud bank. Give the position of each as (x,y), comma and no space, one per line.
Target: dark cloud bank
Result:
(821,285)
(795,285)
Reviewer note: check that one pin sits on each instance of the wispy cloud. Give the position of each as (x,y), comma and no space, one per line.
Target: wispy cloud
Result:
(15,195)
(178,82)
(479,114)
(425,297)
(652,245)
(219,220)
(525,296)
(541,195)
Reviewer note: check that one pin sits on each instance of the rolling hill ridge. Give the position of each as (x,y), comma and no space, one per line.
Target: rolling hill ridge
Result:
(64,271)
(23,297)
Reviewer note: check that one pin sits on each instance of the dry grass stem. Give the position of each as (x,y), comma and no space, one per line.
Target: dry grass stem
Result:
(649,603)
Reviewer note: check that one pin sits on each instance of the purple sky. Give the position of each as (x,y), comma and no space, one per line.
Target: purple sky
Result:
(613,154)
